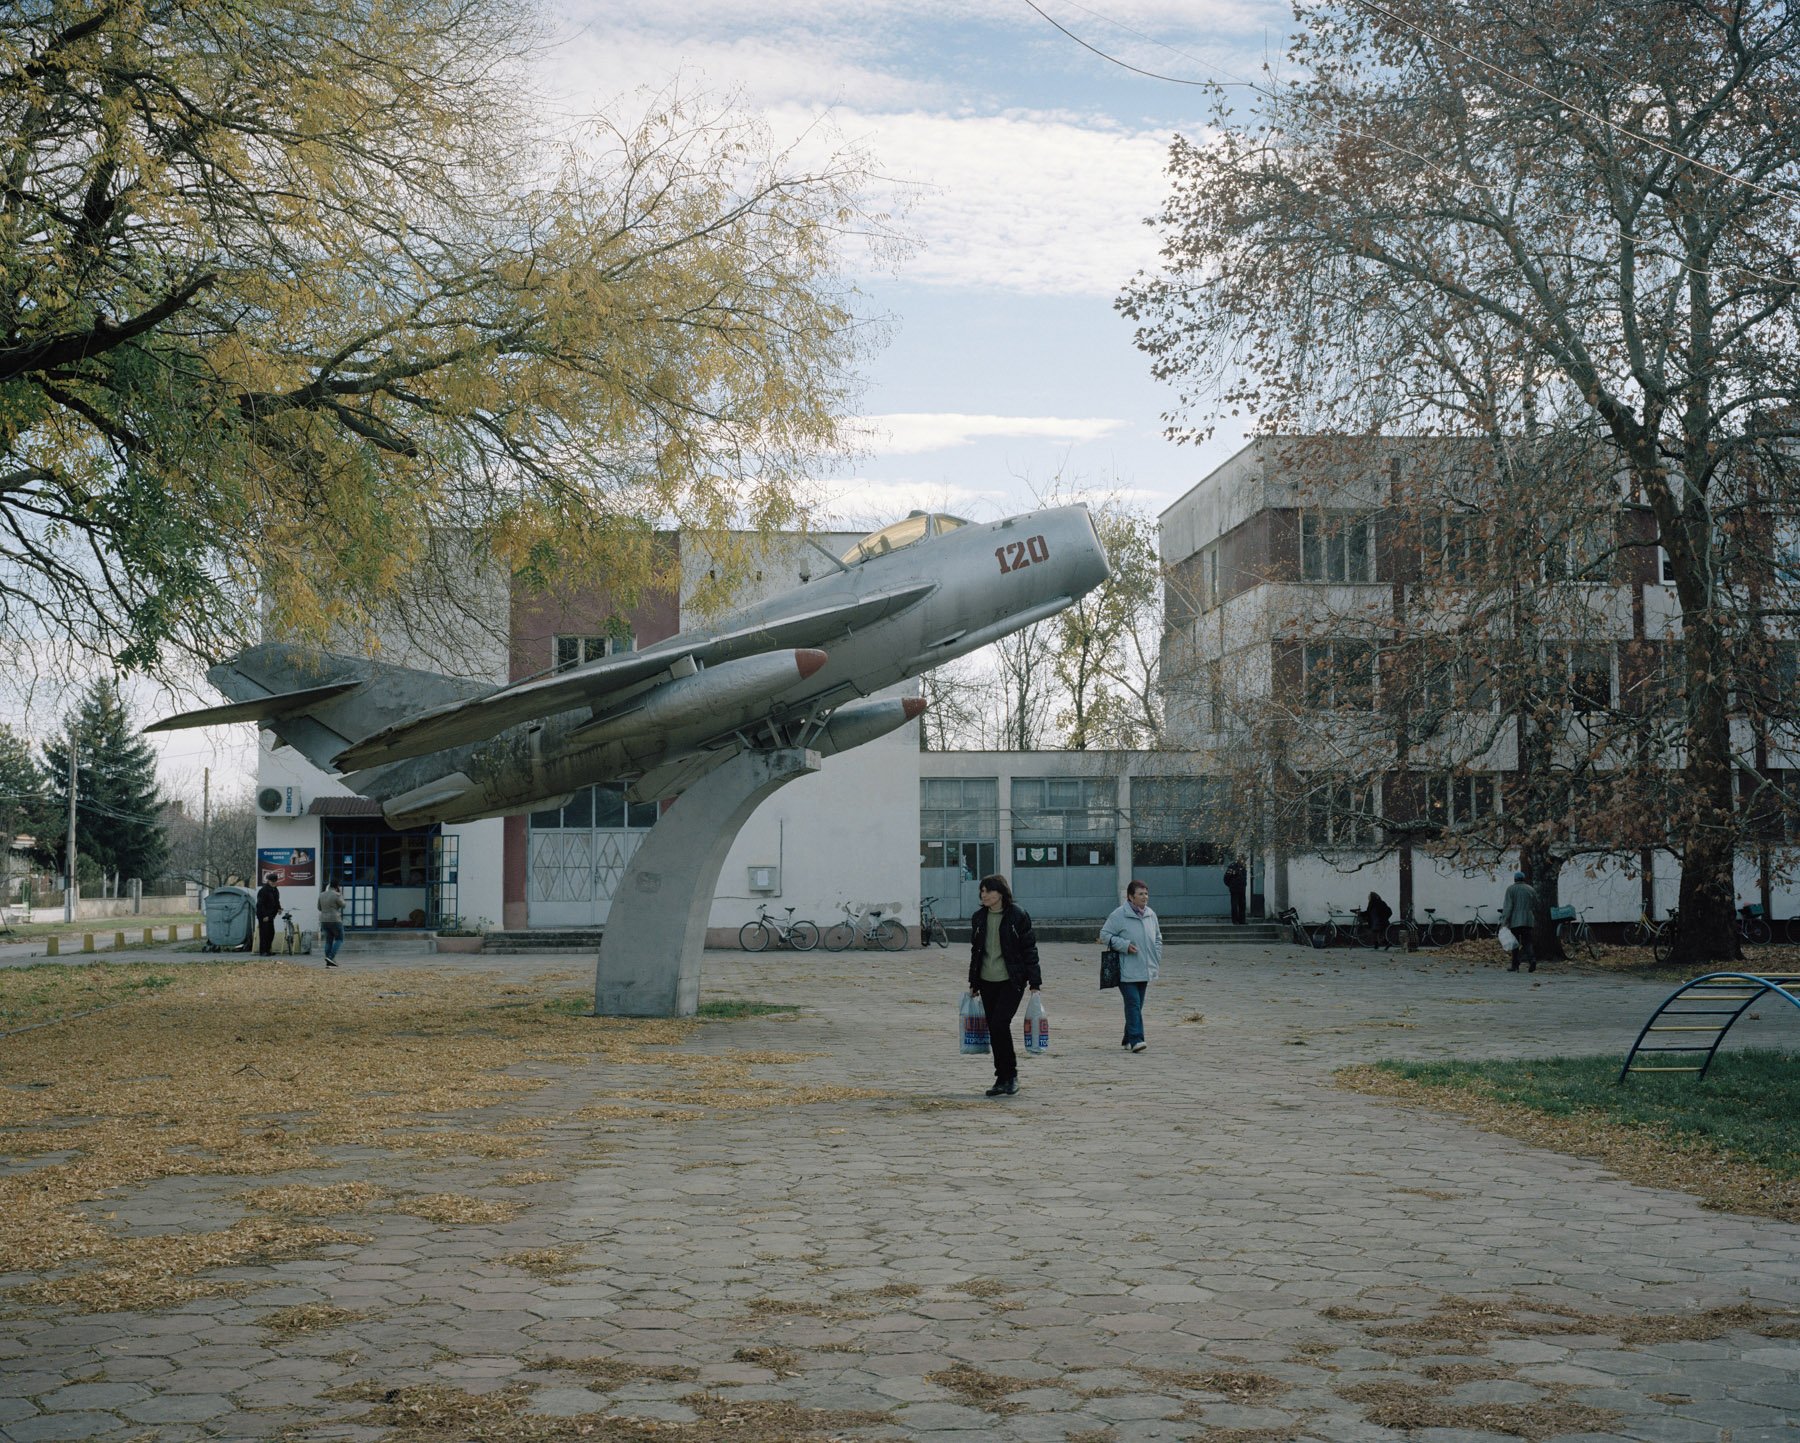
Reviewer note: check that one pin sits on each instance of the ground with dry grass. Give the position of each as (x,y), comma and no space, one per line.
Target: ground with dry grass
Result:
(126,1074)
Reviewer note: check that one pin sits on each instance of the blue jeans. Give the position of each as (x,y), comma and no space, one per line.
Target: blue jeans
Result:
(1132,995)
(333,933)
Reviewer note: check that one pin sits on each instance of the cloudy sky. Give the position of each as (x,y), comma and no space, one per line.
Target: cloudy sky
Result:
(1029,165)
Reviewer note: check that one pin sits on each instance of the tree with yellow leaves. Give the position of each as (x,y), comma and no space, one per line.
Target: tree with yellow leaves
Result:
(293,287)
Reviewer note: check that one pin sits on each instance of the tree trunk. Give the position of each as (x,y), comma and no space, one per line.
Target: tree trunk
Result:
(1708,930)
(1543,869)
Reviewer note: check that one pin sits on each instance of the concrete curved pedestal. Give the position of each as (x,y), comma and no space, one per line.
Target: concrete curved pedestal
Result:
(656,930)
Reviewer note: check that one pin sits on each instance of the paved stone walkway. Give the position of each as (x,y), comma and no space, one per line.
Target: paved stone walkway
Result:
(1204,1241)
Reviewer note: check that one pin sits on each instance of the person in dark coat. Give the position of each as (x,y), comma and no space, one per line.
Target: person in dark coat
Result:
(1003,962)
(268,908)
(1237,878)
(1518,910)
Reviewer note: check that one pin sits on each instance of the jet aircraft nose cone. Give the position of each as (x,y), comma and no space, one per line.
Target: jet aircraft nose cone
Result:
(913,706)
(808,660)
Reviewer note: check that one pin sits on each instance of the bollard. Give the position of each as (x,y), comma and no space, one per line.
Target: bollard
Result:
(87,941)
(175,931)
(149,935)
(52,946)
(196,931)
(118,941)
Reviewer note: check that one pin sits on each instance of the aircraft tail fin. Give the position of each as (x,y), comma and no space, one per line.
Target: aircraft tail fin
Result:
(319,702)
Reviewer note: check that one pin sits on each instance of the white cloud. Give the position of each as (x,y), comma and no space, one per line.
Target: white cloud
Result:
(907,433)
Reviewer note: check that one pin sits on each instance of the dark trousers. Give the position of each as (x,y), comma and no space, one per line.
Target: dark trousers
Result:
(1237,905)
(1000,1000)
(1524,952)
(265,935)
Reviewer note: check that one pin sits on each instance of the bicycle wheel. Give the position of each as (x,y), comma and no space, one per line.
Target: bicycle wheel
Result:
(1757,930)
(938,933)
(753,936)
(803,936)
(891,934)
(1396,934)
(1663,948)
(839,936)
(1641,934)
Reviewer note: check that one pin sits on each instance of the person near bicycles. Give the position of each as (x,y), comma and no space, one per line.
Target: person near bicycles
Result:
(268,908)
(1003,962)
(1134,933)
(1518,910)
(331,921)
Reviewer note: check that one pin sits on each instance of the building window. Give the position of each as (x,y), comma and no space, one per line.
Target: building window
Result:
(603,806)
(1338,675)
(1340,815)
(959,825)
(1178,821)
(1773,803)
(1453,547)
(1335,547)
(573,651)
(1583,673)
(1584,552)
(1457,802)
(1064,821)
(1458,683)
(1665,568)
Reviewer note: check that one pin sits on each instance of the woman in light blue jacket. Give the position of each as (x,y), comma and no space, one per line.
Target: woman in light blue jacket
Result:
(1134,933)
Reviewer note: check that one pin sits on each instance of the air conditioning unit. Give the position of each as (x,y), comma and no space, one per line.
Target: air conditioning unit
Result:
(280,802)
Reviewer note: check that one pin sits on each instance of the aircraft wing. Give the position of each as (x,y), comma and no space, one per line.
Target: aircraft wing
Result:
(262,709)
(595,684)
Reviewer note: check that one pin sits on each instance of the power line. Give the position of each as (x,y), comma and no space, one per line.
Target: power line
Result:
(1382,141)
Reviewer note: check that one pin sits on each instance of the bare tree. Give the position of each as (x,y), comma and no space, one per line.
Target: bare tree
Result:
(1461,221)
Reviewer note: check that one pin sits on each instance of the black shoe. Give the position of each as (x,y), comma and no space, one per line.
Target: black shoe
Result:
(330,963)
(998,1089)
(1513,968)
(1532,967)
(1012,1086)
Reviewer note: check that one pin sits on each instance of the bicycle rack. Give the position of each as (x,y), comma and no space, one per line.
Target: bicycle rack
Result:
(1741,989)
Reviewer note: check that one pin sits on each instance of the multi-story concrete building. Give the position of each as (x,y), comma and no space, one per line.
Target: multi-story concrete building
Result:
(1296,567)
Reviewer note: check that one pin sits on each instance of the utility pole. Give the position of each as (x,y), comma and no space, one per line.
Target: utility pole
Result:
(205,828)
(69,888)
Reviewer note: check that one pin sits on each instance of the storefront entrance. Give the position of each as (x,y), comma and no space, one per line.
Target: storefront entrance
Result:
(390,878)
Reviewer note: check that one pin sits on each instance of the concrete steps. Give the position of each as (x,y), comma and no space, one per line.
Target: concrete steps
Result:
(1179,933)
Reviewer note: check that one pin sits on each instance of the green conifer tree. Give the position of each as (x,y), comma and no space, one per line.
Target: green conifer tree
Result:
(118,821)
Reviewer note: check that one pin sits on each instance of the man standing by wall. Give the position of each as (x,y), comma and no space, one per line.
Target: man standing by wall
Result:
(1237,878)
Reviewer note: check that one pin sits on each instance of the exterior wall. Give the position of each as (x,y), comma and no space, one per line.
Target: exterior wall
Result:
(1235,628)
(847,834)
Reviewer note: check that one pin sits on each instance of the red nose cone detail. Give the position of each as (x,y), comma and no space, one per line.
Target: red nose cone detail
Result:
(912,706)
(808,661)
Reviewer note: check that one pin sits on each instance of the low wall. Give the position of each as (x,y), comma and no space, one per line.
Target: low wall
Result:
(99,908)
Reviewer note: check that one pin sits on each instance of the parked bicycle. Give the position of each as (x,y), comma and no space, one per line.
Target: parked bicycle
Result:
(1434,931)
(1355,928)
(1647,931)
(1751,924)
(930,928)
(1662,945)
(802,936)
(290,943)
(1572,930)
(865,927)
(1482,924)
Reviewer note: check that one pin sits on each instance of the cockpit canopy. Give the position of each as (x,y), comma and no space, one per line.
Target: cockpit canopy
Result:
(915,528)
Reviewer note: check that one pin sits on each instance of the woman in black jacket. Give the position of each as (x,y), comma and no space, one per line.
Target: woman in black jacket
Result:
(1003,962)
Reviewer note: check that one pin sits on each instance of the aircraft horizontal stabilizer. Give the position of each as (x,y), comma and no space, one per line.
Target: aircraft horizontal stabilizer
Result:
(273,707)
(600,684)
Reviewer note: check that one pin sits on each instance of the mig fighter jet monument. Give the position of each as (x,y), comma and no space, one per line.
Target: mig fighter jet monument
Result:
(719,717)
